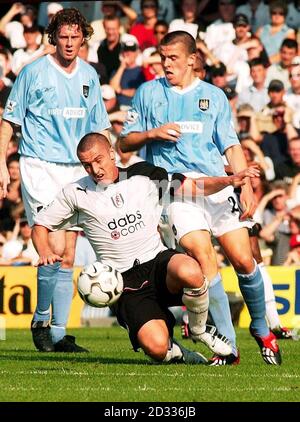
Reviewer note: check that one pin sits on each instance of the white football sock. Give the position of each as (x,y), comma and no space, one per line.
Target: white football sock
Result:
(174,353)
(271,308)
(196,302)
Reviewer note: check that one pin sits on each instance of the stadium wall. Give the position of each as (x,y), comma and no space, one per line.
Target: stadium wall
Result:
(286,283)
(18,295)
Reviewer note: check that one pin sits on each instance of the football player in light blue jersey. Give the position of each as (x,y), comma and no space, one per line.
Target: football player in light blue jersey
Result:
(56,100)
(186,126)
(202,116)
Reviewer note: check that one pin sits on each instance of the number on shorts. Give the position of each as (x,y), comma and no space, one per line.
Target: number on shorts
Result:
(234,205)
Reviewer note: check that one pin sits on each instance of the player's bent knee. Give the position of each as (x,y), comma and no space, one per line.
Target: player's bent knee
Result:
(243,264)
(153,338)
(190,274)
(157,349)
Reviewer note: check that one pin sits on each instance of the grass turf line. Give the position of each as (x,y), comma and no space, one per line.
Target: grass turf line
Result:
(112,372)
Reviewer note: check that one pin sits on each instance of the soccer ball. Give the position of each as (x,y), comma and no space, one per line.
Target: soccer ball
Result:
(99,285)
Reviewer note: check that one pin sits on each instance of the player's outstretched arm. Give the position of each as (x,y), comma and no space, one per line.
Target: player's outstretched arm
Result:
(6,132)
(210,185)
(41,243)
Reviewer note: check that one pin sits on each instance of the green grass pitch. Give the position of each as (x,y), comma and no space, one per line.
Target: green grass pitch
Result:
(112,372)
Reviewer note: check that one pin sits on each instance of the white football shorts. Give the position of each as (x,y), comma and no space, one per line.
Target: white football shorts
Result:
(218,213)
(41,181)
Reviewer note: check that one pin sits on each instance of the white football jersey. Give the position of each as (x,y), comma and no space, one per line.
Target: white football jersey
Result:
(121,219)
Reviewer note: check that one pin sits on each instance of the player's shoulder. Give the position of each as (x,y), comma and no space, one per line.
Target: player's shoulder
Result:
(81,185)
(143,168)
(86,67)
(208,87)
(153,85)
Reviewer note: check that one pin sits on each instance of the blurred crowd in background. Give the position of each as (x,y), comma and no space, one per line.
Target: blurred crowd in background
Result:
(249,49)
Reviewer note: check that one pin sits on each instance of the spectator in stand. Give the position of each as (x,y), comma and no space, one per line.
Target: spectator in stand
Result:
(218,75)
(128,76)
(293,256)
(292,96)
(253,153)
(160,30)
(6,76)
(28,254)
(257,94)
(234,55)
(275,222)
(246,123)
(256,50)
(272,35)
(281,70)
(290,167)
(13,198)
(144,31)
(110,8)
(191,15)
(14,187)
(221,31)
(13,29)
(110,48)
(231,95)
(293,16)
(275,145)
(257,13)
(154,69)
(28,16)
(294,190)
(275,108)
(33,49)
(242,30)
(166,9)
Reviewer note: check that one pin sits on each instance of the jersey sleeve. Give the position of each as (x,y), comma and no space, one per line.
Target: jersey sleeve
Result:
(224,134)
(136,115)
(60,213)
(15,108)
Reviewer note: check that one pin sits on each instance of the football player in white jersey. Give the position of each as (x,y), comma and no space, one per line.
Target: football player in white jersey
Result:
(119,210)
(55,100)
(186,126)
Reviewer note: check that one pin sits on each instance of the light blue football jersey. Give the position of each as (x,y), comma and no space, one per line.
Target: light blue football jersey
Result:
(55,109)
(204,115)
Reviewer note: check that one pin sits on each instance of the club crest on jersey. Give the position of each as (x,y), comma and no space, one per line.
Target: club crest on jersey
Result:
(131,116)
(85,90)
(204,104)
(117,200)
(10,106)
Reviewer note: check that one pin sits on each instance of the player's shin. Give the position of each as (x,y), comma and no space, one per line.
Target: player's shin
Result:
(61,303)
(220,310)
(46,281)
(252,288)
(196,302)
